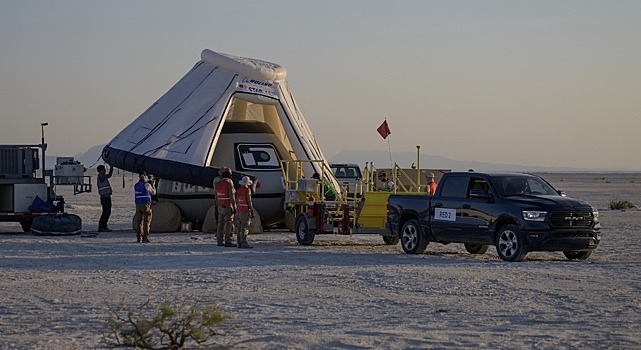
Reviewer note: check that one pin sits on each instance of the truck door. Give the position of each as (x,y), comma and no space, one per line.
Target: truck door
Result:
(476,211)
(445,214)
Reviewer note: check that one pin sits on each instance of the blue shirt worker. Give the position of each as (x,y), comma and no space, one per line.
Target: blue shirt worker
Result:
(143,190)
(104,190)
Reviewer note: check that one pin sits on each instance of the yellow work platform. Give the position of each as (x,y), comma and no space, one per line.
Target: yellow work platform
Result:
(373,211)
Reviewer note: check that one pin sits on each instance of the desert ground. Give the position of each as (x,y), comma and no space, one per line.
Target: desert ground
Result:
(343,292)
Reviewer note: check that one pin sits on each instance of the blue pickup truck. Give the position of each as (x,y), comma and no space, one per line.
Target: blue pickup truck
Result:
(517,213)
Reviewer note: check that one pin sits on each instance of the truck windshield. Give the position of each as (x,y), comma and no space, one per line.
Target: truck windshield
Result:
(515,185)
(346,171)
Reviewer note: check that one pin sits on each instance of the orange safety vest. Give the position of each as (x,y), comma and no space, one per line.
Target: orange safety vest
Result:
(222,192)
(432,187)
(242,199)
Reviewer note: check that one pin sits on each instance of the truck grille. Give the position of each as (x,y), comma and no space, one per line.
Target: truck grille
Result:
(572,219)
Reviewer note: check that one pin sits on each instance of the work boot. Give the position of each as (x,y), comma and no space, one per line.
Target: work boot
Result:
(145,240)
(230,244)
(138,239)
(245,246)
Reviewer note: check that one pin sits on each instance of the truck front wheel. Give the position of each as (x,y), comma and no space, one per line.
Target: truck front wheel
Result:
(304,235)
(578,255)
(510,243)
(412,239)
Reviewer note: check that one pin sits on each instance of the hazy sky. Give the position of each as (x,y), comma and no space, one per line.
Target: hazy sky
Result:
(549,83)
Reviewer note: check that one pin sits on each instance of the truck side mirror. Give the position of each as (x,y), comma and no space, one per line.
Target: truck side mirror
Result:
(561,193)
(479,193)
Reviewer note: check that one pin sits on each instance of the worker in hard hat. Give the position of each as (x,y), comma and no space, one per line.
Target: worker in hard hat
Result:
(245,211)
(431,184)
(226,204)
(388,185)
(216,179)
(220,175)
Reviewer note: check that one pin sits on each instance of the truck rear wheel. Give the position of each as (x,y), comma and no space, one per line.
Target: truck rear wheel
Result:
(304,235)
(476,248)
(578,255)
(390,240)
(510,243)
(412,239)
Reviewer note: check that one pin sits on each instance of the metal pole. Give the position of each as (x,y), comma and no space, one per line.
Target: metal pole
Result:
(43,145)
(418,167)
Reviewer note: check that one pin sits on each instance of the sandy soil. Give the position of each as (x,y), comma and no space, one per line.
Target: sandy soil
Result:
(343,292)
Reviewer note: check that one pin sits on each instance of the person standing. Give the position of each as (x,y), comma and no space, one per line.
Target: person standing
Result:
(104,190)
(226,204)
(388,185)
(328,190)
(431,184)
(143,190)
(216,179)
(245,211)
(220,175)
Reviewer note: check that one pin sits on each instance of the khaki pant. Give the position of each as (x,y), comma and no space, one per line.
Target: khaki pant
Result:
(225,222)
(243,221)
(143,218)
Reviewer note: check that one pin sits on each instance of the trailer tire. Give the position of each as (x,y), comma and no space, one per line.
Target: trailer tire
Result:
(290,220)
(26,224)
(304,234)
(57,225)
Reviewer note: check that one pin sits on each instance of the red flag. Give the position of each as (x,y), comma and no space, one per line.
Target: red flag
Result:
(384,130)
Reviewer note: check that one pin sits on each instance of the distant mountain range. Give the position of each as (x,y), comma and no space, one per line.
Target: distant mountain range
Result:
(381,159)
(90,158)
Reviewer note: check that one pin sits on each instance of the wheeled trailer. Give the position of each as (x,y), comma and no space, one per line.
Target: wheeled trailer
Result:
(362,211)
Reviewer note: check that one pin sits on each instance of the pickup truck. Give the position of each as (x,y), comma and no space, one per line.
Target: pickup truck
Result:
(517,213)
(348,174)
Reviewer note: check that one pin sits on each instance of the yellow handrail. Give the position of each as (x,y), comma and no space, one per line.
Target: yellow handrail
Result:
(292,171)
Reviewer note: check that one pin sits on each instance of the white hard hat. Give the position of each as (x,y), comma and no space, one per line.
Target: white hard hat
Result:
(245,181)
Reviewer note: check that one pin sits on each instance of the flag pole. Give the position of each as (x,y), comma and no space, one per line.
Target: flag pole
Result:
(389,150)
(385,132)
